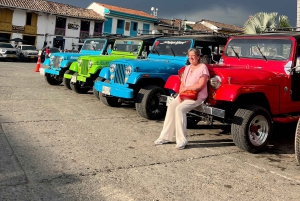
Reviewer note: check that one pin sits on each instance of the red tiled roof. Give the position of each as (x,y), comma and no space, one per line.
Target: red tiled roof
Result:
(197,27)
(127,10)
(222,25)
(200,27)
(53,8)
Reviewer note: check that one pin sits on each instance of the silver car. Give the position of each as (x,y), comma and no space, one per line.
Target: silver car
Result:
(7,51)
(27,52)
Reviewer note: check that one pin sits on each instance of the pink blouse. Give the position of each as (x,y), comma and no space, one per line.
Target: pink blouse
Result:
(192,77)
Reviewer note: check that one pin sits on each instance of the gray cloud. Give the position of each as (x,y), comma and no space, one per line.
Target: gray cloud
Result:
(230,11)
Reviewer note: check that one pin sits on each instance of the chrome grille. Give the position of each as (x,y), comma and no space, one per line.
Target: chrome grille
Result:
(56,62)
(120,73)
(11,52)
(84,67)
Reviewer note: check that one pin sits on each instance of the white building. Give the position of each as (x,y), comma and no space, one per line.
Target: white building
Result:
(119,20)
(42,22)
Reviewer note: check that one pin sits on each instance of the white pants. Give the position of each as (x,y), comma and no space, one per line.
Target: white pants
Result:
(175,120)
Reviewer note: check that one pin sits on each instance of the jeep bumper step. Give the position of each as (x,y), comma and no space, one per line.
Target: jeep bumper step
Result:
(201,108)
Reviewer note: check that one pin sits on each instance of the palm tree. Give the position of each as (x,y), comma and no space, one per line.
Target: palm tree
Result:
(262,21)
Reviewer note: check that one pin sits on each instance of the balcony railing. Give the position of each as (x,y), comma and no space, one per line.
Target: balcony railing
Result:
(5,26)
(30,29)
(60,31)
(84,34)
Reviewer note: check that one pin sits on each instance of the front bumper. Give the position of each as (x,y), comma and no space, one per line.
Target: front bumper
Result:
(31,56)
(114,90)
(51,71)
(8,56)
(205,109)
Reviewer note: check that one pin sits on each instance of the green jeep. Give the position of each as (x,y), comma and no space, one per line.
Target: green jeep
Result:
(86,69)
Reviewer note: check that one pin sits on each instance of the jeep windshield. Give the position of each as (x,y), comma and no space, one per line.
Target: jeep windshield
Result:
(28,48)
(127,45)
(267,49)
(171,47)
(93,44)
(4,45)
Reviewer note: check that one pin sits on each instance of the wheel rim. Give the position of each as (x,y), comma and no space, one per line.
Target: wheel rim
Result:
(258,130)
(154,105)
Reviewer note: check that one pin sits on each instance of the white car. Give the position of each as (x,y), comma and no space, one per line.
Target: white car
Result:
(7,51)
(27,52)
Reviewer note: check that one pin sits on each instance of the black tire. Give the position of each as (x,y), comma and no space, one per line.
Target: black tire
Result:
(147,102)
(110,101)
(96,93)
(21,57)
(52,80)
(78,88)
(252,128)
(191,122)
(67,82)
(297,142)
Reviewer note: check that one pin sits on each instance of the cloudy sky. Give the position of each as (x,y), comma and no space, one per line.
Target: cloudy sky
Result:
(226,11)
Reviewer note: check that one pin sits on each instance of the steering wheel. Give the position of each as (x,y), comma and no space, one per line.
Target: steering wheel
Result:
(278,56)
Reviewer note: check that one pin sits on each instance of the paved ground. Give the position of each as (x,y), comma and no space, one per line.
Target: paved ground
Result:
(59,145)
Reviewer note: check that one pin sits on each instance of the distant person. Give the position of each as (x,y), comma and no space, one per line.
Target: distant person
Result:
(47,52)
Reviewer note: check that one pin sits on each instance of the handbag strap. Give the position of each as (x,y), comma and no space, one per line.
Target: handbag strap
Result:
(187,75)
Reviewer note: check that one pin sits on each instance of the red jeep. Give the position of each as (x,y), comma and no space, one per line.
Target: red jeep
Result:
(257,84)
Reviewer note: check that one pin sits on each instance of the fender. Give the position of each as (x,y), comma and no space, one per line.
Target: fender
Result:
(136,76)
(231,92)
(105,73)
(94,69)
(74,66)
(47,62)
(173,83)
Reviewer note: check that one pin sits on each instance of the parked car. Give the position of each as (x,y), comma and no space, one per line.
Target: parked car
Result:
(7,51)
(86,69)
(27,53)
(142,81)
(257,85)
(52,50)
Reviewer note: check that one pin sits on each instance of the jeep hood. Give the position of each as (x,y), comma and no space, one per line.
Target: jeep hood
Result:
(246,76)
(74,56)
(154,66)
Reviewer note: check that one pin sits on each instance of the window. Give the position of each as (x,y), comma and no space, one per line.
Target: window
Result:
(120,24)
(98,27)
(28,18)
(134,26)
(61,23)
(85,25)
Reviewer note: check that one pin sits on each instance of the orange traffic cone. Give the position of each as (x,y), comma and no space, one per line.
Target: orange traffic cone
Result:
(38,64)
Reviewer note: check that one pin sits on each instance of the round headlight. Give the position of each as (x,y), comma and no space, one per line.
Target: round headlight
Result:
(128,70)
(79,62)
(90,63)
(112,68)
(52,58)
(215,82)
(51,63)
(61,59)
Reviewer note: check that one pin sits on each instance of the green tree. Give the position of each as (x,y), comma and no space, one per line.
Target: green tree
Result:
(261,21)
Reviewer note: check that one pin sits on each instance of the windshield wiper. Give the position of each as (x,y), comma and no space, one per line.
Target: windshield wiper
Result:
(156,51)
(261,53)
(236,54)
(173,52)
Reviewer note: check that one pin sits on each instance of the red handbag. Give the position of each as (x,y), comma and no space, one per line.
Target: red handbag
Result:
(189,94)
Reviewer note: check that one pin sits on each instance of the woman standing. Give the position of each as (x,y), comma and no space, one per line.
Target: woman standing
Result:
(195,77)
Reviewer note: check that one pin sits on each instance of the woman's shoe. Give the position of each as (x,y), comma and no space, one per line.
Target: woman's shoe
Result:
(180,147)
(160,142)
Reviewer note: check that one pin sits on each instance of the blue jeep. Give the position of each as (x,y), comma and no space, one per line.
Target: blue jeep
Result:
(142,81)
(59,63)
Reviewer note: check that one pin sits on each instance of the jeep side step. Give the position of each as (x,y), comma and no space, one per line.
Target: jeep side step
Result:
(286,119)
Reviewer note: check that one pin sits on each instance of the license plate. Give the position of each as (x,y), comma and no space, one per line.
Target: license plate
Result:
(31,57)
(74,78)
(42,71)
(10,56)
(106,90)
(169,100)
